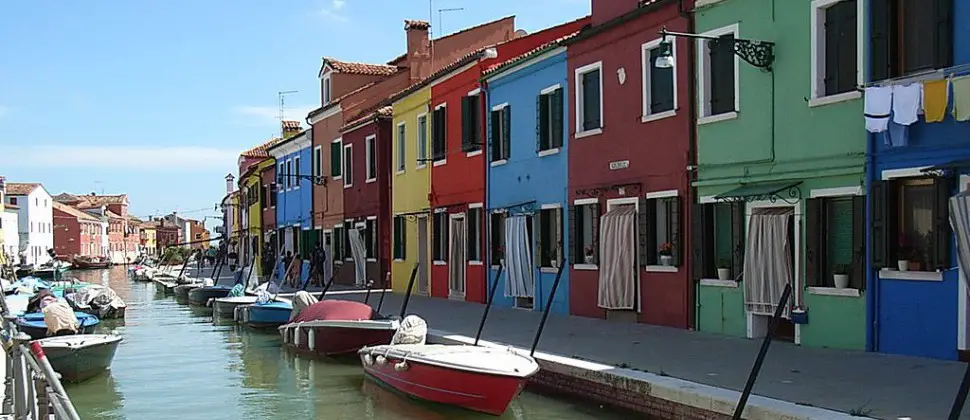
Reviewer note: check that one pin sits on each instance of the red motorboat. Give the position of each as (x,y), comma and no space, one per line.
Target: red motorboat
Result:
(481,379)
(337,327)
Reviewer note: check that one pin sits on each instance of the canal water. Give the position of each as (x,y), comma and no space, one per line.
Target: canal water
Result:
(176,363)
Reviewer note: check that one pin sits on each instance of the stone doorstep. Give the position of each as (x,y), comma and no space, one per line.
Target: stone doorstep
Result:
(677,391)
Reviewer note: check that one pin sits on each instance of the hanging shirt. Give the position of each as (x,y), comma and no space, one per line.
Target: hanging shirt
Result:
(907,102)
(936,97)
(961,98)
(878,105)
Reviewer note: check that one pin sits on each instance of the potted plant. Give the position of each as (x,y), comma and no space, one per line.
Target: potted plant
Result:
(500,254)
(724,269)
(666,254)
(905,253)
(841,276)
(588,256)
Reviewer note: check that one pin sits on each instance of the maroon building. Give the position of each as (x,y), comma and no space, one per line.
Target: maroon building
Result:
(630,148)
(268,177)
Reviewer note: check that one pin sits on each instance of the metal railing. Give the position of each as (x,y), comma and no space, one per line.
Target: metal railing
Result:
(32,389)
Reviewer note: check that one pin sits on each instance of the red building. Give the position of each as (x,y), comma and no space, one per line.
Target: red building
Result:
(123,239)
(166,234)
(458,168)
(268,226)
(76,233)
(630,146)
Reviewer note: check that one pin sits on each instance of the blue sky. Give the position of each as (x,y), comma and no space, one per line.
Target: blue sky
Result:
(157,99)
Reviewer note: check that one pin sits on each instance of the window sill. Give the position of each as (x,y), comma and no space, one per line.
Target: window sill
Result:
(349,259)
(499,162)
(399,172)
(832,291)
(717,118)
(398,260)
(338,262)
(440,263)
(473,153)
(420,167)
(885,274)
(439,162)
(660,269)
(589,133)
(336,177)
(348,186)
(587,267)
(658,116)
(475,263)
(834,99)
(548,270)
(719,283)
(371,259)
(370,180)
(548,152)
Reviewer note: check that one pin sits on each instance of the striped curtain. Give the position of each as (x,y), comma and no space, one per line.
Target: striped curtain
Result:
(960,222)
(518,258)
(360,257)
(617,263)
(458,257)
(767,260)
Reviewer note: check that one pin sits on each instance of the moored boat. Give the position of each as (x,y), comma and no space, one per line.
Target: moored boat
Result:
(98,300)
(226,306)
(200,296)
(88,263)
(33,324)
(264,315)
(80,357)
(182,290)
(337,327)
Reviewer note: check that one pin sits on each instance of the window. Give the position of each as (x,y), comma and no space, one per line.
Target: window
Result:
(13,201)
(401,146)
(835,240)
(909,36)
(400,238)
(497,237)
(348,165)
(272,195)
(834,47)
(660,231)
(339,250)
(717,238)
(589,97)
(474,234)
(264,192)
(549,120)
(326,88)
(583,239)
(717,66)
(198,236)
(289,173)
(471,124)
(422,140)
(370,148)
(439,235)
(439,147)
(501,134)
(549,246)
(370,238)
(317,159)
(910,223)
(336,170)
(659,93)
(296,172)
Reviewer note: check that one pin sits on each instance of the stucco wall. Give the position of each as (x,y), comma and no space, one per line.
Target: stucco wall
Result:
(410,189)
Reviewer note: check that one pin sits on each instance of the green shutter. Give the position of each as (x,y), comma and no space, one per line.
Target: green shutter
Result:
(495,148)
(507,135)
(335,155)
(557,119)
(466,123)
(540,122)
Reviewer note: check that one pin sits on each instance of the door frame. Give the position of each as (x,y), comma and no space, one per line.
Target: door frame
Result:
(757,325)
(424,271)
(610,203)
(327,234)
(464,266)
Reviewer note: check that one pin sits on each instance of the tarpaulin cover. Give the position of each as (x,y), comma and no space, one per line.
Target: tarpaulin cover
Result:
(343,310)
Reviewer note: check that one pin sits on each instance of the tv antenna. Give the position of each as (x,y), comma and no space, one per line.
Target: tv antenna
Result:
(282,98)
(440,11)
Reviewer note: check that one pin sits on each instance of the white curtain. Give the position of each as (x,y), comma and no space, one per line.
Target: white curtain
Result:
(518,258)
(960,222)
(767,260)
(360,257)
(458,257)
(617,289)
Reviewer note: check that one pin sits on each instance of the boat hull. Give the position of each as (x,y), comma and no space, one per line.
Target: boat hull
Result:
(271,315)
(182,291)
(33,324)
(200,296)
(79,364)
(485,393)
(226,307)
(334,341)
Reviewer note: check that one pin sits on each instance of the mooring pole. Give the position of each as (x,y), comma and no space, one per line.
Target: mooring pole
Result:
(329,283)
(488,305)
(765,343)
(407,295)
(383,290)
(545,311)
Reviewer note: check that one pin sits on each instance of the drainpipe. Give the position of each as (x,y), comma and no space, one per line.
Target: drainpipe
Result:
(487,231)
(692,161)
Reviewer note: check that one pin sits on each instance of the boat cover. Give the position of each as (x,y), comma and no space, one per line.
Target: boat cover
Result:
(95,296)
(333,309)
(237,290)
(477,359)
(413,330)
(301,301)
(58,316)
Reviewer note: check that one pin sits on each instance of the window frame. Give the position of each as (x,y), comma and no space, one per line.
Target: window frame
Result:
(327,87)
(296,172)
(579,246)
(440,228)
(818,96)
(704,73)
(370,156)
(339,141)
(478,210)
(555,143)
(421,141)
(888,42)
(558,237)
(646,74)
(371,254)
(317,159)
(654,203)
(347,172)
(337,247)
(444,153)
(818,277)
(496,255)
(399,230)
(401,142)
(579,73)
(473,147)
(502,109)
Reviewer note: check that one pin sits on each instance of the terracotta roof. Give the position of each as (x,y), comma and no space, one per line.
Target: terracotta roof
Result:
(261,151)
(74,212)
(291,125)
(368,115)
(21,188)
(416,24)
(455,65)
(112,214)
(91,200)
(335,102)
(530,54)
(359,68)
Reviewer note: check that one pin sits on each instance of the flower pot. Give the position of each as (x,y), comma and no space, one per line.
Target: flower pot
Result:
(589,259)
(667,260)
(841,281)
(903,265)
(724,274)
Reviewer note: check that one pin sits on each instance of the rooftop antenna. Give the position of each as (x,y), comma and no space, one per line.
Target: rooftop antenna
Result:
(282,98)
(453,9)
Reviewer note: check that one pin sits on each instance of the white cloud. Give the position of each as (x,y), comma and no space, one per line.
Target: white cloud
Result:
(339,4)
(334,12)
(145,159)
(270,116)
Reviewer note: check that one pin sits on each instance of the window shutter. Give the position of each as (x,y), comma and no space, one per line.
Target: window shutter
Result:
(881,40)
(674,231)
(702,241)
(596,231)
(661,85)
(507,136)
(857,278)
(848,47)
(445,235)
(737,237)
(540,127)
(833,23)
(591,100)
(814,271)
(557,118)
(943,36)
(647,235)
(878,219)
(574,253)
(466,123)
(942,235)
(477,118)
(469,237)
(494,139)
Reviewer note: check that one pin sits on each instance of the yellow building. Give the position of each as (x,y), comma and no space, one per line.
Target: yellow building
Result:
(148,239)
(251,233)
(410,189)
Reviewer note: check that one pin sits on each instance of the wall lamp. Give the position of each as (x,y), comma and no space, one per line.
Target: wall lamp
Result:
(760,54)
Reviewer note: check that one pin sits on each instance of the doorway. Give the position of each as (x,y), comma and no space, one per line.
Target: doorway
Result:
(770,263)
(458,257)
(619,279)
(327,256)
(423,256)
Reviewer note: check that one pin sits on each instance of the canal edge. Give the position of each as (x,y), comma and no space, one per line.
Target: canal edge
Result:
(648,393)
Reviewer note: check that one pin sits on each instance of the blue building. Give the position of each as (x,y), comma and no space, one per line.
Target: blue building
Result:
(527,178)
(917,303)
(294,194)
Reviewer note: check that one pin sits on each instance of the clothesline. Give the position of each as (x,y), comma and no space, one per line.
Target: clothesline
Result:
(958,70)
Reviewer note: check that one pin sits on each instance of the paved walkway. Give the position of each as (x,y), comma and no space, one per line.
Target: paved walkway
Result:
(871,384)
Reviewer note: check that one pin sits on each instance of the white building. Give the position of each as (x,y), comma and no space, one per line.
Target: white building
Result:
(35,219)
(11,232)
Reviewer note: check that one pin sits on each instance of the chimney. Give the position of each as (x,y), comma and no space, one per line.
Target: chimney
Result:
(419,49)
(229,183)
(291,128)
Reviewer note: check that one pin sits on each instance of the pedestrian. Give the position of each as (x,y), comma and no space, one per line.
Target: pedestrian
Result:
(296,271)
(233,256)
(319,259)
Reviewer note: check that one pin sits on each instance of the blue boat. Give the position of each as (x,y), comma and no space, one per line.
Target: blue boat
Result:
(264,315)
(33,324)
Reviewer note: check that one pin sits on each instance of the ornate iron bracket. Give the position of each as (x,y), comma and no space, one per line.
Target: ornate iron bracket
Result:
(790,194)
(760,54)
(413,216)
(634,189)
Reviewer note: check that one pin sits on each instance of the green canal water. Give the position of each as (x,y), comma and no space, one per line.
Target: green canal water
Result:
(175,363)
